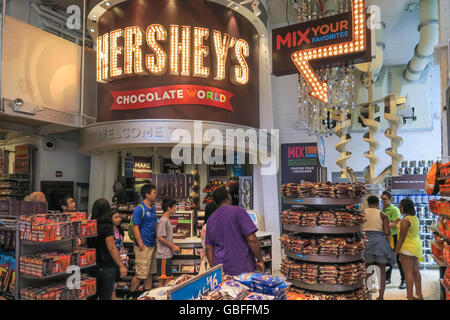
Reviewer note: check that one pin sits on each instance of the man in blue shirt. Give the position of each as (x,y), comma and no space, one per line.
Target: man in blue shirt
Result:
(144,228)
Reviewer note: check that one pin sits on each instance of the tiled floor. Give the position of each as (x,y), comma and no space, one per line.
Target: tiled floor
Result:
(430,285)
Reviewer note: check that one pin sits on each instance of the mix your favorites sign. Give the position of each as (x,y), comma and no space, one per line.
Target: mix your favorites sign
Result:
(151,56)
(335,40)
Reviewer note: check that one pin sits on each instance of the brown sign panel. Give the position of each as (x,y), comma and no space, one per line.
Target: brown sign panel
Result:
(411,182)
(314,34)
(242,100)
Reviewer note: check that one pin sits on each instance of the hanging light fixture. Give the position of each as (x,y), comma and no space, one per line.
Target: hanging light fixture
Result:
(316,116)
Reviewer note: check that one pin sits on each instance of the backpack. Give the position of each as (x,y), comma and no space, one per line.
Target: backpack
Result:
(130,225)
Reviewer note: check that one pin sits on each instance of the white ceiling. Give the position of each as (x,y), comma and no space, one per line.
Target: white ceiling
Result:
(400,39)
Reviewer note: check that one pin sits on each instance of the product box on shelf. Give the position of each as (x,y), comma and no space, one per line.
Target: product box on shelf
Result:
(60,291)
(55,227)
(45,264)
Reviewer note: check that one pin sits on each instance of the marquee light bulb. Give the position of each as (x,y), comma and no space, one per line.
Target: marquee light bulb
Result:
(102,57)
(241,72)
(200,51)
(221,47)
(115,51)
(156,63)
(176,47)
(133,50)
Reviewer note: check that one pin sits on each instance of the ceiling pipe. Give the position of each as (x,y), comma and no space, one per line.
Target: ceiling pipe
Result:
(429,38)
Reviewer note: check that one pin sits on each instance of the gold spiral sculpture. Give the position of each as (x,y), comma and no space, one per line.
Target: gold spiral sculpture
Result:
(341,131)
(369,137)
(395,121)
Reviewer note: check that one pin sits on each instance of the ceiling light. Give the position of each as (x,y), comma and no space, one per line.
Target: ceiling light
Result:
(94,16)
(107,3)
(92,30)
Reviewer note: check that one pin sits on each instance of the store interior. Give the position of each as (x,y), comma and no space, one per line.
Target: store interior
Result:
(384,126)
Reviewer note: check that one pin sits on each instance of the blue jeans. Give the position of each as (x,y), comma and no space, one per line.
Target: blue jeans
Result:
(106,277)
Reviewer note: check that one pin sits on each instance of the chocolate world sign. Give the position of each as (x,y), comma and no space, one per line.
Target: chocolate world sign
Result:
(337,40)
(177,59)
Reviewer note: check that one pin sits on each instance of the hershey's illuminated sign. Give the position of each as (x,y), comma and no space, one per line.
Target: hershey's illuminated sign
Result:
(122,52)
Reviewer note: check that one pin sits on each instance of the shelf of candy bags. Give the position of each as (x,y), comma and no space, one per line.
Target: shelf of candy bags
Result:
(300,294)
(440,247)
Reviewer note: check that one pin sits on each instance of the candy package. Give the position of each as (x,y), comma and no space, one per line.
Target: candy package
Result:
(155,294)
(258,296)
(234,289)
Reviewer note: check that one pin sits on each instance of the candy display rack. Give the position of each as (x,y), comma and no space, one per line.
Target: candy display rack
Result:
(320,204)
(31,248)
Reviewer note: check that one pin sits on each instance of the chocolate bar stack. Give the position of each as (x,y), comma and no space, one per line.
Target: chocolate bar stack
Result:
(360,294)
(324,245)
(327,218)
(310,273)
(351,273)
(323,190)
(330,247)
(306,217)
(328,274)
(310,218)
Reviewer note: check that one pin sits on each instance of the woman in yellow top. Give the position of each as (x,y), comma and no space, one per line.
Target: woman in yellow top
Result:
(410,248)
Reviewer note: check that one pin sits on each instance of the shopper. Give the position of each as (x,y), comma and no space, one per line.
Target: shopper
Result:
(67,204)
(107,255)
(409,246)
(144,228)
(378,251)
(394,216)
(165,245)
(37,197)
(209,210)
(118,240)
(231,238)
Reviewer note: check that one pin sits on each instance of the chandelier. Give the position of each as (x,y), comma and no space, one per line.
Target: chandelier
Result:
(315,116)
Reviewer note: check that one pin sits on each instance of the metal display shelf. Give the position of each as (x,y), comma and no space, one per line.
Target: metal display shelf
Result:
(323,229)
(326,287)
(29,242)
(323,258)
(54,275)
(329,202)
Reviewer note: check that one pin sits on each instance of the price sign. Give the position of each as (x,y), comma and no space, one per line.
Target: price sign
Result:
(198,285)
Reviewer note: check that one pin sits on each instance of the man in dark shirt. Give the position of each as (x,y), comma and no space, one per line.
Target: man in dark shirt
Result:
(231,238)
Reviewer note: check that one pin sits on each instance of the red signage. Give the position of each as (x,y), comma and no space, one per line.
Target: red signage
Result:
(142,168)
(330,41)
(171,95)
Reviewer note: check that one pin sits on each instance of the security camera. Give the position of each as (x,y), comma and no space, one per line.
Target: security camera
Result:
(49,144)
(18,102)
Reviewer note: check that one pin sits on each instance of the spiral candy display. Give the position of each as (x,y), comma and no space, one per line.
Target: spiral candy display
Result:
(395,122)
(341,131)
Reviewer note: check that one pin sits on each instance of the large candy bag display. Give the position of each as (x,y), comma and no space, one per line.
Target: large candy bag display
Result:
(265,284)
